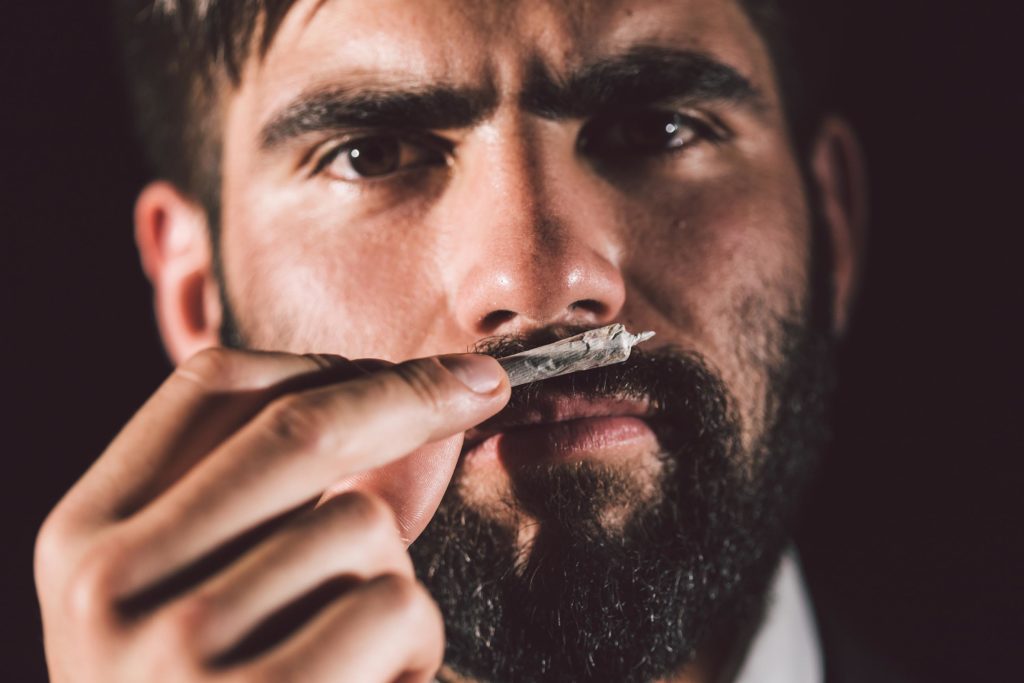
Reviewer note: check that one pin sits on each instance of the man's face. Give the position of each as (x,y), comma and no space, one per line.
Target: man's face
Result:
(407,178)
(549,207)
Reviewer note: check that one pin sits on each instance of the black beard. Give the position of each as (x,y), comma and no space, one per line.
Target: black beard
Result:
(633,603)
(587,603)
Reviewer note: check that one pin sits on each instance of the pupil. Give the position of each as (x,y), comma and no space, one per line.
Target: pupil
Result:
(375,157)
(652,130)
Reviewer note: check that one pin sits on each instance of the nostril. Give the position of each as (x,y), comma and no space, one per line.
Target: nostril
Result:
(592,306)
(496,319)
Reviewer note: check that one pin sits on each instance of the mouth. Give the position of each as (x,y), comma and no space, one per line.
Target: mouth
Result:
(560,427)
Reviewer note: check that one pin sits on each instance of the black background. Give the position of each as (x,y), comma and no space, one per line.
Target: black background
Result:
(916,528)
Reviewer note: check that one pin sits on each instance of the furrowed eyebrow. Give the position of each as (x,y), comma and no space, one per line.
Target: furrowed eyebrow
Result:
(643,75)
(434,107)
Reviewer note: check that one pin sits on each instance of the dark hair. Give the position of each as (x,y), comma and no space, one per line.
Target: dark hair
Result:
(183,55)
(180,57)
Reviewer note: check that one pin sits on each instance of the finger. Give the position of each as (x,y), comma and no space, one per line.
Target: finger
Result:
(351,536)
(300,445)
(207,398)
(412,487)
(386,628)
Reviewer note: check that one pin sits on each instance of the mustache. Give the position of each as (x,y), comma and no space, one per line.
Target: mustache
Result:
(679,384)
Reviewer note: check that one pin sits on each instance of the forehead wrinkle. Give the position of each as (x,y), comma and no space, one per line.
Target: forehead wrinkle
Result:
(556,35)
(567,22)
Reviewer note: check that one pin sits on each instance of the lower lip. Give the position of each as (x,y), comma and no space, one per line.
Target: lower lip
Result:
(604,437)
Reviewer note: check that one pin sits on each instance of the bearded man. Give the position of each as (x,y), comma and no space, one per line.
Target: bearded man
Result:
(344,186)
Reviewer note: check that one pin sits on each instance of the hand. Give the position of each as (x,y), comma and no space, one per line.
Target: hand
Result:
(200,545)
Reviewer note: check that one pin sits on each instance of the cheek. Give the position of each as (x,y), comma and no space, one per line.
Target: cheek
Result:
(701,248)
(312,280)
(722,264)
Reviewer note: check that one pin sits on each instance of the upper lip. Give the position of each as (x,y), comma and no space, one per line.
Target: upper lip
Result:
(549,408)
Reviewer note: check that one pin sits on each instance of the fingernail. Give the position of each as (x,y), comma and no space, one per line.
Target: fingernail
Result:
(481,374)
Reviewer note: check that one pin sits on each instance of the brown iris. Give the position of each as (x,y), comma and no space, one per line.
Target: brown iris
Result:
(375,156)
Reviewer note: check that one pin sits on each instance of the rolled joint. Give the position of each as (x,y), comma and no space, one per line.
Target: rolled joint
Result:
(591,349)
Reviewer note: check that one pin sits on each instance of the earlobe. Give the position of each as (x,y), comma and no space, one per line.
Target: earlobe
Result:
(837,163)
(172,235)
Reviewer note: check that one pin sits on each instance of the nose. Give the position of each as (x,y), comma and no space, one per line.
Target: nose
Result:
(535,246)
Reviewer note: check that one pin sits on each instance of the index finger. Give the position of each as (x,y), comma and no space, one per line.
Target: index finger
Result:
(301,444)
(203,401)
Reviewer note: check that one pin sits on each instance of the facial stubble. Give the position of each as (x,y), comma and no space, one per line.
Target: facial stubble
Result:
(585,600)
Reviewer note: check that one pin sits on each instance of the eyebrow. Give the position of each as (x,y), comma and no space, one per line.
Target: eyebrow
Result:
(643,75)
(435,107)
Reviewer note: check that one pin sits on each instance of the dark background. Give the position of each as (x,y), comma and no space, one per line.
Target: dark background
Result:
(916,529)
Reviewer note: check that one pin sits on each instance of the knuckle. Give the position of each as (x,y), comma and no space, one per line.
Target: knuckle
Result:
(92,589)
(421,377)
(396,593)
(51,548)
(368,511)
(375,529)
(407,600)
(214,368)
(395,558)
(180,626)
(296,420)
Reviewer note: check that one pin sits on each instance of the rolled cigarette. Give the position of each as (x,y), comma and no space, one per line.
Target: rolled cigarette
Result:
(592,349)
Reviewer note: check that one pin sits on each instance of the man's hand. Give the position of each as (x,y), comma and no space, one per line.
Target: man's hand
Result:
(195,548)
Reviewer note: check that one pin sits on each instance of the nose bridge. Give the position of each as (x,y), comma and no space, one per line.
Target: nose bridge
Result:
(526,260)
(514,206)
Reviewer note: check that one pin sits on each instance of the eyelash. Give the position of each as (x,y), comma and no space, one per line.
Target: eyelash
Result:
(337,148)
(712,131)
(705,129)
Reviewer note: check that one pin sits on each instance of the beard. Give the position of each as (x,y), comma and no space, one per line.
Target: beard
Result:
(589,599)
(632,599)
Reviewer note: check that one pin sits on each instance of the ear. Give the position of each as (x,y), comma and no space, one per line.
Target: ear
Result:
(837,163)
(172,234)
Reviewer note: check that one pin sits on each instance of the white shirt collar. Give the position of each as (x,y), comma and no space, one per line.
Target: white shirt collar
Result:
(785,648)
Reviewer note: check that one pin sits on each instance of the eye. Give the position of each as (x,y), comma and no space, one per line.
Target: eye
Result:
(643,132)
(377,156)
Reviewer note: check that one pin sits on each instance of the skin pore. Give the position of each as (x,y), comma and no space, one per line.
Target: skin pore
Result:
(534,203)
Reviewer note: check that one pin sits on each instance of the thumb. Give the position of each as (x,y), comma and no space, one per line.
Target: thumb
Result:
(412,486)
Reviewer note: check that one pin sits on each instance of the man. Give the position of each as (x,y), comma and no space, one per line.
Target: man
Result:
(411,180)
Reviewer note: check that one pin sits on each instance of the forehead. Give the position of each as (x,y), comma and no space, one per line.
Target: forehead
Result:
(471,42)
